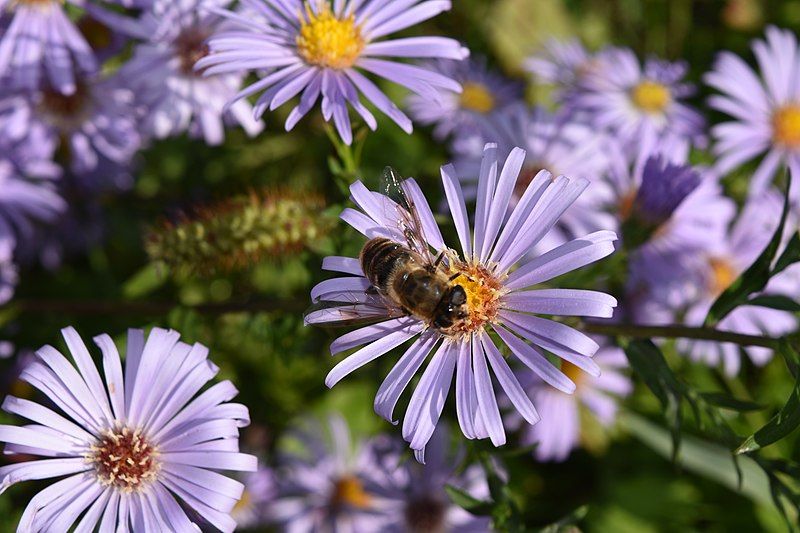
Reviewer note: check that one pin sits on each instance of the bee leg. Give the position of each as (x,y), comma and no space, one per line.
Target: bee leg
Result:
(439,259)
(455,276)
(372,289)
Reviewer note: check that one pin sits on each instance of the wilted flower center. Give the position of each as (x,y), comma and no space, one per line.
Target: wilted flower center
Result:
(65,111)
(786,126)
(483,289)
(349,491)
(191,47)
(425,515)
(723,274)
(124,459)
(651,96)
(626,204)
(327,41)
(477,97)
(526,176)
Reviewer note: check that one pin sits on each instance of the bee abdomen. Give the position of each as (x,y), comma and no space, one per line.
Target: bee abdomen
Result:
(379,257)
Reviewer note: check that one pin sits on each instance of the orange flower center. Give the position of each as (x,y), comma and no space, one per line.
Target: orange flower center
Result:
(124,459)
(723,274)
(483,288)
(349,491)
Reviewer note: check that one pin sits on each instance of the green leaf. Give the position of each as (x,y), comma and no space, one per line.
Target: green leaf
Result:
(647,360)
(467,502)
(779,426)
(148,279)
(783,303)
(703,458)
(790,255)
(755,278)
(568,523)
(724,401)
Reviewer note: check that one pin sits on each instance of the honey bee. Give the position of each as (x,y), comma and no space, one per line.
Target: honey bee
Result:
(404,273)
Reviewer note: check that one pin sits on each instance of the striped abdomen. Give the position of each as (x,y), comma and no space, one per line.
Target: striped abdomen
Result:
(379,258)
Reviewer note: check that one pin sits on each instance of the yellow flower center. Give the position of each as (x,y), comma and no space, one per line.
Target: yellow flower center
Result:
(327,41)
(35,3)
(477,97)
(786,126)
(723,274)
(124,459)
(349,491)
(483,289)
(243,503)
(651,97)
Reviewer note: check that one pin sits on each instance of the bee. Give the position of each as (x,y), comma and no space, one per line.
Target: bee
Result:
(403,272)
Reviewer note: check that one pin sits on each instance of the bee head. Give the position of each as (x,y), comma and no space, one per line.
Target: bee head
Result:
(452,307)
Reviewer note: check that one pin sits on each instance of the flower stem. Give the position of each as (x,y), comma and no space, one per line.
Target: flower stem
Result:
(677,331)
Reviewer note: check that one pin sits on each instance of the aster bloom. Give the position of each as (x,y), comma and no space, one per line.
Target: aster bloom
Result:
(638,102)
(764,105)
(24,203)
(177,98)
(131,447)
(482,93)
(563,64)
(559,431)
(335,485)
(421,502)
(554,142)
(259,490)
(96,124)
(39,41)
(495,293)
(319,48)
(709,273)
(8,273)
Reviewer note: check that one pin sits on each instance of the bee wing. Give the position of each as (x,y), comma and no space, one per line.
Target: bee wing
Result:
(339,314)
(400,208)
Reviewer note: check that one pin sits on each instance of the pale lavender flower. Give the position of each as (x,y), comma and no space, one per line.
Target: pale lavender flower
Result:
(333,484)
(319,48)
(259,491)
(95,125)
(483,92)
(559,431)
(765,107)
(553,142)
(563,64)
(708,274)
(495,281)
(8,273)
(131,444)
(421,502)
(639,103)
(39,42)
(177,98)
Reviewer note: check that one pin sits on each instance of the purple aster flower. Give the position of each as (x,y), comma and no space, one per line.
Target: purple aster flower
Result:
(765,107)
(259,491)
(40,41)
(482,93)
(488,284)
(8,272)
(714,270)
(319,48)
(177,98)
(421,502)
(24,202)
(131,445)
(335,485)
(556,143)
(96,124)
(564,64)
(639,103)
(559,431)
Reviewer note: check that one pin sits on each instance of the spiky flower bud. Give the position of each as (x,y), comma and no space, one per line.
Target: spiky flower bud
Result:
(241,231)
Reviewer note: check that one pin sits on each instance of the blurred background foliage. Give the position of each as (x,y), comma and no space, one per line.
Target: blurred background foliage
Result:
(251,318)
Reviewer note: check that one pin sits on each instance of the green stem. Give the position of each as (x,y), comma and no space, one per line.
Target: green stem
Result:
(677,331)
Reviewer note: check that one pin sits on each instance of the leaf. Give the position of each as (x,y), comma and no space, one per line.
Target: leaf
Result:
(703,458)
(755,278)
(568,523)
(648,361)
(779,426)
(148,279)
(468,502)
(782,303)
(790,255)
(725,401)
